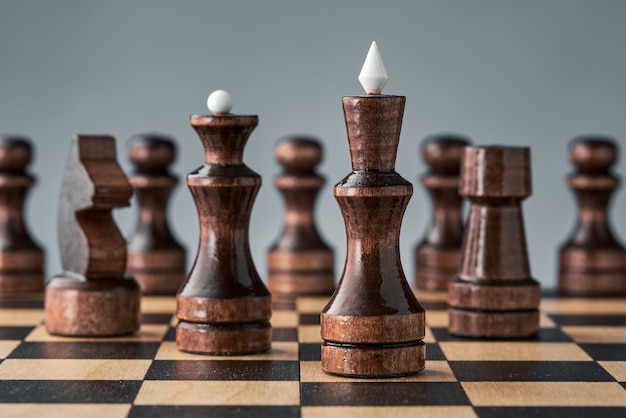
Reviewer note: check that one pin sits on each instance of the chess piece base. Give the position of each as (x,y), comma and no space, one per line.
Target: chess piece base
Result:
(92,308)
(500,324)
(21,282)
(303,272)
(435,267)
(600,272)
(362,360)
(223,339)
(158,272)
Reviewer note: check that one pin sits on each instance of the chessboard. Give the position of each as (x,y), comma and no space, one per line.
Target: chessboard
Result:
(574,367)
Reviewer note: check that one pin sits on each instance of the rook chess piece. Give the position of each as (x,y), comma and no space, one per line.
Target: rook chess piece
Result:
(592,261)
(437,255)
(493,294)
(300,263)
(155,259)
(373,326)
(21,259)
(223,307)
(92,297)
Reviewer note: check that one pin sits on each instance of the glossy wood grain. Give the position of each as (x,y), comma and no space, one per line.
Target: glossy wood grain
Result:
(373,326)
(223,307)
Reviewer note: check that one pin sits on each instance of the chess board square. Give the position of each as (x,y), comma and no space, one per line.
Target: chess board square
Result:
(310,334)
(550,412)
(6,347)
(280,351)
(434,305)
(284,319)
(170,335)
(590,306)
(156,318)
(35,302)
(147,333)
(311,305)
(544,335)
(86,350)
(617,369)
(65,411)
(284,334)
(589,320)
(439,319)
(20,317)
(223,392)
(606,351)
(311,352)
(214,411)
(529,371)
(158,305)
(73,369)
(309,319)
(545,393)
(596,334)
(223,370)
(69,391)
(392,411)
(435,371)
(382,393)
(433,352)
(14,333)
(511,351)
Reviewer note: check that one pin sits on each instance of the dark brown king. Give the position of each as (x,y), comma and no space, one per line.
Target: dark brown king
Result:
(155,258)
(437,255)
(592,261)
(223,307)
(300,263)
(493,294)
(373,326)
(21,259)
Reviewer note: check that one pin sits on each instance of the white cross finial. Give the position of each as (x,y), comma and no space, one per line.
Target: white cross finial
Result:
(373,76)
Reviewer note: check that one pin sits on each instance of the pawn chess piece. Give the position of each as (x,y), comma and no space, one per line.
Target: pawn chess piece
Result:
(373,326)
(92,298)
(21,259)
(493,294)
(300,263)
(155,259)
(223,307)
(437,255)
(592,261)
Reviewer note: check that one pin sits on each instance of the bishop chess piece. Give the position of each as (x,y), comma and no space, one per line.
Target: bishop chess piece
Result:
(92,298)
(592,261)
(21,259)
(300,263)
(493,294)
(155,259)
(373,326)
(223,307)
(437,255)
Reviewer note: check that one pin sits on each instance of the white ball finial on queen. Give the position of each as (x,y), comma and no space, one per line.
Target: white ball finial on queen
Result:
(373,76)
(220,103)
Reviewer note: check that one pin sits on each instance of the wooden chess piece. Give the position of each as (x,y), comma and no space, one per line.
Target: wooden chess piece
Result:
(92,298)
(592,261)
(493,294)
(223,307)
(21,259)
(155,259)
(300,263)
(373,326)
(437,255)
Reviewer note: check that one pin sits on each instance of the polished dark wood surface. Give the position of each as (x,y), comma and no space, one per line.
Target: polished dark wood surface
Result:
(92,297)
(155,257)
(223,307)
(373,325)
(593,261)
(437,255)
(21,258)
(300,262)
(493,294)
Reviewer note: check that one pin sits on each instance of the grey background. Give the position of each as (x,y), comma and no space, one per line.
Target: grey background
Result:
(532,73)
